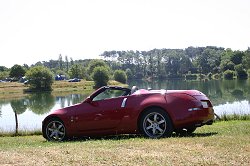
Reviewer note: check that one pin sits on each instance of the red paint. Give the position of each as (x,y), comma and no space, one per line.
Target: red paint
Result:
(107,116)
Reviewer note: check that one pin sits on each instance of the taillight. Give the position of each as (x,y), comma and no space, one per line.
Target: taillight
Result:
(206,104)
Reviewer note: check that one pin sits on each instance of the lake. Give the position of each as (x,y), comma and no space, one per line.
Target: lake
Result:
(227,96)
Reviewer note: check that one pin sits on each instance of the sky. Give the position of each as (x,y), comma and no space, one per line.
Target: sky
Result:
(41,30)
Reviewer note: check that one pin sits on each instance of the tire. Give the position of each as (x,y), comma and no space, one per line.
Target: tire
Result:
(185,131)
(54,130)
(155,123)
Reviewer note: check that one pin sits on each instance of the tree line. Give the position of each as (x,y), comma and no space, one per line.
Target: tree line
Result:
(178,63)
(189,63)
(41,75)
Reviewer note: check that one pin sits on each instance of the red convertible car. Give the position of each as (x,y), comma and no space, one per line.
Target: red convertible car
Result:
(115,110)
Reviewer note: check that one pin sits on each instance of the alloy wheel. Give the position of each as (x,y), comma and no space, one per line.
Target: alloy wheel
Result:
(55,131)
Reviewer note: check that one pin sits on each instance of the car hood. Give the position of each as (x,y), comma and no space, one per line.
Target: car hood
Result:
(65,109)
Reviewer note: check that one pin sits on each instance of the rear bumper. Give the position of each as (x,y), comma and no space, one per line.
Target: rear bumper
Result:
(206,118)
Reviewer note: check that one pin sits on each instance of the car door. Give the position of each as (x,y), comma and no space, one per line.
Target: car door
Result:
(102,114)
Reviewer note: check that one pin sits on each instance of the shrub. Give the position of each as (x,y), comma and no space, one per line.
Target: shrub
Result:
(202,76)
(100,76)
(216,76)
(120,76)
(210,75)
(40,78)
(228,74)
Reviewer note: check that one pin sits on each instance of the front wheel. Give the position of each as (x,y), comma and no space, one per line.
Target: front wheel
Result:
(155,123)
(54,130)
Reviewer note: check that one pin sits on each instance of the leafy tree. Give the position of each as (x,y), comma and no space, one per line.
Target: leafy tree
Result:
(77,71)
(67,63)
(3,68)
(4,74)
(60,61)
(95,63)
(246,60)
(129,74)
(40,78)
(236,57)
(226,65)
(100,76)
(241,72)
(25,66)
(17,72)
(120,76)
(71,61)
(228,74)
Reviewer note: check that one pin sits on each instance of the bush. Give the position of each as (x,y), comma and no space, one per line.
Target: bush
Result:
(228,74)
(100,76)
(216,76)
(40,78)
(202,76)
(210,75)
(242,74)
(120,76)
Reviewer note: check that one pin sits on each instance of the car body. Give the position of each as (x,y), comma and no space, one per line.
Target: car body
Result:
(112,110)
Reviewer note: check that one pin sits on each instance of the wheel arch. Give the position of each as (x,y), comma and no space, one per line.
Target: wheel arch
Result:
(51,117)
(47,119)
(152,107)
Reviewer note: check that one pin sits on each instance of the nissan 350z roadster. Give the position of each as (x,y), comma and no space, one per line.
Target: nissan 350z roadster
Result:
(112,110)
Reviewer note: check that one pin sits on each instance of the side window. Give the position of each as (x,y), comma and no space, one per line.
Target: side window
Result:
(109,93)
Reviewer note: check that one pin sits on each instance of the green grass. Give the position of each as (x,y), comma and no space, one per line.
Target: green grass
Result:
(234,116)
(223,143)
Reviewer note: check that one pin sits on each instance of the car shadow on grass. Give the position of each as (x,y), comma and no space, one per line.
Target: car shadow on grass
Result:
(194,134)
(134,136)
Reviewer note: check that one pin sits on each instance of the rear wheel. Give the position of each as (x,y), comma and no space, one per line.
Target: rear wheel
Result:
(155,123)
(54,130)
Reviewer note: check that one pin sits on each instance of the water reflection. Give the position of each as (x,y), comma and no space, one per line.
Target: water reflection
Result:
(40,103)
(227,96)
(18,107)
(219,91)
(27,113)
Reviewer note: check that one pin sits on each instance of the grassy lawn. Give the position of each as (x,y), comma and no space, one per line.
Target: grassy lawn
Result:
(10,90)
(223,143)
